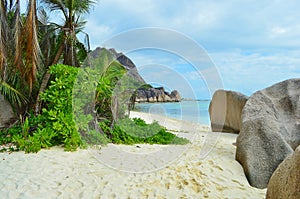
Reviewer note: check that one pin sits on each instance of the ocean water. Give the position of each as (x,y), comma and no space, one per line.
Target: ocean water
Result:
(193,111)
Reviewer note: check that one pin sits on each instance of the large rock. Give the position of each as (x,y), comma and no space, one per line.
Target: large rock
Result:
(270,130)
(285,181)
(156,95)
(175,96)
(225,110)
(143,94)
(124,60)
(6,112)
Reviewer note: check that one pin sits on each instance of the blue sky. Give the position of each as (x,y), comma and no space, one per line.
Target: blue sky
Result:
(252,43)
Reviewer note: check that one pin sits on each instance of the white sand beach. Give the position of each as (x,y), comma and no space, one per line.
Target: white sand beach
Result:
(206,168)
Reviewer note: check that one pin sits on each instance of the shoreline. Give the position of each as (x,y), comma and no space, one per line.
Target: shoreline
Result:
(182,100)
(55,173)
(191,111)
(171,124)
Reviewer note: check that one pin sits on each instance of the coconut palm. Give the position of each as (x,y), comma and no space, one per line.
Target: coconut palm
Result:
(68,45)
(8,9)
(19,50)
(31,45)
(72,12)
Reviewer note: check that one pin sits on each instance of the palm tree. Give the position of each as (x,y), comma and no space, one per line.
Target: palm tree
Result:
(72,11)
(69,45)
(19,51)
(31,45)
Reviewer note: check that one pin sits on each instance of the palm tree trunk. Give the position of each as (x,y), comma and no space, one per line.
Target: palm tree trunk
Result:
(47,75)
(58,54)
(37,106)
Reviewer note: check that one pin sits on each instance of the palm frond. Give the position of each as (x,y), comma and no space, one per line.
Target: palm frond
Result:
(32,49)
(18,62)
(71,26)
(79,24)
(11,94)
(55,5)
(3,36)
(83,6)
(43,17)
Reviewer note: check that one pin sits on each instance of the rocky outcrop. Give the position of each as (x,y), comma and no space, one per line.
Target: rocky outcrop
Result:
(156,95)
(6,112)
(143,94)
(124,60)
(270,130)
(175,95)
(285,181)
(225,111)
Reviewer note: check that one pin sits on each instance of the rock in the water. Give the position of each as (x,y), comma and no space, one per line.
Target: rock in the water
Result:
(285,181)
(6,112)
(225,110)
(143,94)
(175,96)
(156,95)
(270,130)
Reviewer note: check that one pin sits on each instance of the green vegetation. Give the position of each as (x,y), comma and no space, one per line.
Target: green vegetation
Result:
(56,124)
(62,104)
(136,131)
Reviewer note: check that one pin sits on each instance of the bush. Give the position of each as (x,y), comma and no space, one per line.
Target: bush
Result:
(136,131)
(56,124)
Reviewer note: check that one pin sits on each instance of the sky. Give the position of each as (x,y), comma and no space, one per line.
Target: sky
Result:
(250,44)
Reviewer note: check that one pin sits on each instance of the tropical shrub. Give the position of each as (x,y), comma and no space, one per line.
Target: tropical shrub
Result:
(55,125)
(58,125)
(136,131)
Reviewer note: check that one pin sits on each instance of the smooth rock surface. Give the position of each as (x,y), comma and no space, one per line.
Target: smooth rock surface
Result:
(270,130)
(285,181)
(225,110)
(6,112)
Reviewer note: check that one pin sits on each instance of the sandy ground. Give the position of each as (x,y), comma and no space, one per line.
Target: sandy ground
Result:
(206,168)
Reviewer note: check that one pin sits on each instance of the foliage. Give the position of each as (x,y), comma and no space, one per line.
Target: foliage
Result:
(104,90)
(96,82)
(29,139)
(57,125)
(146,86)
(58,115)
(137,131)
(72,12)
(12,95)
(30,45)
(59,42)
(19,52)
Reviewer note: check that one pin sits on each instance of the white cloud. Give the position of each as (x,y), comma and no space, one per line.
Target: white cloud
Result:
(279,30)
(248,73)
(253,43)
(98,33)
(228,23)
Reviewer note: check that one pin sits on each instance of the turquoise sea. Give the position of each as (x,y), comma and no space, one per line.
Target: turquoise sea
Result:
(193,111)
